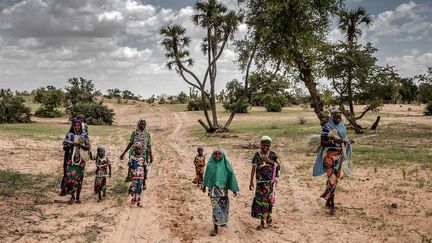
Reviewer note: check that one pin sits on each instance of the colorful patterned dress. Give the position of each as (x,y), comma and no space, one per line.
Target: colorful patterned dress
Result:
(144,138)
(220,205)
(266,176)
(74,163)
(333,157)
(102,174)
(137,165)
(199,163)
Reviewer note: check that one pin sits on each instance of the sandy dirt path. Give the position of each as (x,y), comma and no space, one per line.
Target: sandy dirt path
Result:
(175,210)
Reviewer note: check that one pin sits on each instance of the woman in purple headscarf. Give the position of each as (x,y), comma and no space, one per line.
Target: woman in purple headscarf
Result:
(76,146)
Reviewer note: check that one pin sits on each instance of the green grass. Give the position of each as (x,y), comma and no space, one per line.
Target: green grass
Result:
(14,183)
(119,190)
(368,155)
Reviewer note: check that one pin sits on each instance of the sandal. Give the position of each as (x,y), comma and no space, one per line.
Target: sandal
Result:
(269,222)
(77,201)
(260,227)
(213,233)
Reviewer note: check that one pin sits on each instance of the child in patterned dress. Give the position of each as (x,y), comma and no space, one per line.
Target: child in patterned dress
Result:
(137,166)
(103,170)
(199,163)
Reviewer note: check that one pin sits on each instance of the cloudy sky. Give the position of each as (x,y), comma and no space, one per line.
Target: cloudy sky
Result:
(115,43)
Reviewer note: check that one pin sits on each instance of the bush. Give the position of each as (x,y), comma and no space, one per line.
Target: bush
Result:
(12,108)
(197,105)
(182,97)
(50,98)
(232,98)
(95,113)
(428,110)
(43,112)
(162,101)
(273,103)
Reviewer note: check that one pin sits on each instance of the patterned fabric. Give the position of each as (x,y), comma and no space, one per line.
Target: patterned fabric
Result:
(220,204)
(137,165)
(74,176)
(199,163)
(73,172)
(102,174)
(332,163)
(319,166)
(266,176)
(142,137)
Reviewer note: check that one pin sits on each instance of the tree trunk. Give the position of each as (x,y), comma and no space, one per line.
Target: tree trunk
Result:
(207,128)
(316,102)
(206,114)
(375,125)
(351,119)
(350,95)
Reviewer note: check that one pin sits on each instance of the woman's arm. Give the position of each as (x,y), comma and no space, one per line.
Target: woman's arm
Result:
(127,149)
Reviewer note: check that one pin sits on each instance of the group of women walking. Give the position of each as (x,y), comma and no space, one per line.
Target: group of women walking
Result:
(218,178)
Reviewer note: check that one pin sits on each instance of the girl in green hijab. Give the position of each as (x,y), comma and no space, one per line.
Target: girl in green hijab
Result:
(218,178)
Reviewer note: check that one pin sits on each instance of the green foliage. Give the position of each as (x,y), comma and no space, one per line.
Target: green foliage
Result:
(151,100)
(80,99)
(328,98)
(273,103)
(380,87)
(95,113)
(182,97)
(113,93)
(232,97)
(42,112)
(428,110)
(408,90)
(425,86)
(51,99)
(79,90)
(197,104)
(12,108)
(162,100)
(272,94)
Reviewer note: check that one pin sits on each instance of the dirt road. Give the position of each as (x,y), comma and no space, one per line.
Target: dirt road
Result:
(175,210)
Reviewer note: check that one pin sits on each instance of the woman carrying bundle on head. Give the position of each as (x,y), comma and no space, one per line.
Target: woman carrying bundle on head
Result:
(219,177)
(265,168)
(335,150)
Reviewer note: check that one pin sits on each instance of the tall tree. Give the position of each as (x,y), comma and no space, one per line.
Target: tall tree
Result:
(292,33)
(219,24)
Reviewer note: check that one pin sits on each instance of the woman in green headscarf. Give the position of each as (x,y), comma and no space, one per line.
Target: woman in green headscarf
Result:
(218,178)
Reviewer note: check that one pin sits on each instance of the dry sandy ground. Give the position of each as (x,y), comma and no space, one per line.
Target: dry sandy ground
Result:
(175,210)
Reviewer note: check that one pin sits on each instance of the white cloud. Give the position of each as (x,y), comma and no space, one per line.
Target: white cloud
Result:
(411,64)
(112,42)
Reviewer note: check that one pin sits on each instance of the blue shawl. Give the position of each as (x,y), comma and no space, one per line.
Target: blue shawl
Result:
(319,168)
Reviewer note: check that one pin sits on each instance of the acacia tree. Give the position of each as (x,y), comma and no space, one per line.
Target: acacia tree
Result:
(220,24)
(354,73)
(292,33)
(51,99)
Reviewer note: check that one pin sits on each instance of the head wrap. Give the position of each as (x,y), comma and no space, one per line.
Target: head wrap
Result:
(139,121)
(220,173)
(100,146)
(218,149)
(266,139)
(335,110)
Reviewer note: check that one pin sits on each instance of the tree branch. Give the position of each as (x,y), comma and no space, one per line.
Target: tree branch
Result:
(369,108)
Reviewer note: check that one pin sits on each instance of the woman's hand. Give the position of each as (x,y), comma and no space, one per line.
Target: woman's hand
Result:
(122,156)
(235,194)
(251,186)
